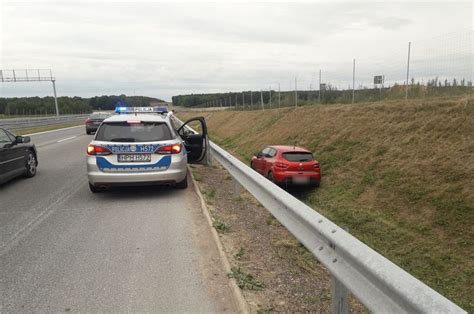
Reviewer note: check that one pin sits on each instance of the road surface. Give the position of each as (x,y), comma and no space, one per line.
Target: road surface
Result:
(63,248)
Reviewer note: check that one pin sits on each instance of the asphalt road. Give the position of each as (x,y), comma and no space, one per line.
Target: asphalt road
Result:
(63,248)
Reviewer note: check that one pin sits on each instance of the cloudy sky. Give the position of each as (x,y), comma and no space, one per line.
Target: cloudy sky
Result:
(163,49)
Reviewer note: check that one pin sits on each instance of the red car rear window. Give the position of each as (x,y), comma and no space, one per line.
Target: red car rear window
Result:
(298,156)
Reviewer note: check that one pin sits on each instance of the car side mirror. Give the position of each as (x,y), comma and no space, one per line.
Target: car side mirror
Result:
(188,132)
(22,139)
(259,155)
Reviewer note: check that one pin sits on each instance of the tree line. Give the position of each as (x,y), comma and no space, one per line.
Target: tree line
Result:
(69,105)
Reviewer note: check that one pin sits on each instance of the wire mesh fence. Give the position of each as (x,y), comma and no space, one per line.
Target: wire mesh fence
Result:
(436,66)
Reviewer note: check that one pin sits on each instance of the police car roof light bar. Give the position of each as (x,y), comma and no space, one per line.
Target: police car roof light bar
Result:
(123,110)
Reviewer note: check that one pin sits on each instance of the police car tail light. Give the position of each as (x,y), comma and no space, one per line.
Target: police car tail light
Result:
(169,149)
(97,150)
(88,121)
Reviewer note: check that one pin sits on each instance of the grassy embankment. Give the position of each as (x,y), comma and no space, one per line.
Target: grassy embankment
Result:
(399,175)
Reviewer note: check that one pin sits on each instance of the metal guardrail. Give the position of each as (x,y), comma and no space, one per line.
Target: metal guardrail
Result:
(25,123)
(379,284)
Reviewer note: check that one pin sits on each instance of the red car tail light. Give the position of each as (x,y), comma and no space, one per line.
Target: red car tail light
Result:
(316,165)
(169,149)
(281,165)
(88,121)
(93,150)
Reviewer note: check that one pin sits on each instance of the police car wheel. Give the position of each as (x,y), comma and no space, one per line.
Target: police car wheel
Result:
(94,189)
(183,184)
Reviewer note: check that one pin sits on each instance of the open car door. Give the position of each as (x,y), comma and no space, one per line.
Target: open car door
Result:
(194,134)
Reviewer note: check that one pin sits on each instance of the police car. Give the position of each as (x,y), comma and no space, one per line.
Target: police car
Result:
(144,146)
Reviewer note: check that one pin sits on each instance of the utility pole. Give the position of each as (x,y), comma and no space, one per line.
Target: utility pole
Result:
(319,96)
(279,98)
(353,79)
(408,71)
(270,93)
(55,98)
(251,100)
(296,93)
(261,99)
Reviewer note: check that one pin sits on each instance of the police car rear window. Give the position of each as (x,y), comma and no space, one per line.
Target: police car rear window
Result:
(134,132)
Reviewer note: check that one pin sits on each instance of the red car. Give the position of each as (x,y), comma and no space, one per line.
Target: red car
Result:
(287,165)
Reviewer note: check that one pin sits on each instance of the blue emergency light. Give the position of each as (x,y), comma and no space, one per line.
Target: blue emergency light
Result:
(161,110)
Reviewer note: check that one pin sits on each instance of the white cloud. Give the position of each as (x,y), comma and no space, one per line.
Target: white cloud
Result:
(163,49)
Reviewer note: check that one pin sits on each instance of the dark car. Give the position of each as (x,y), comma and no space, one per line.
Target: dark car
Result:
(287,165)
(94,121)
(17,156)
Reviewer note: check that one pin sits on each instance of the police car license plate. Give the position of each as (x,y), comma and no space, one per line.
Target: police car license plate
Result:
(134,157)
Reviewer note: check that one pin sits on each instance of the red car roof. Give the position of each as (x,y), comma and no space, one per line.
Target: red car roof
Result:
(287,148)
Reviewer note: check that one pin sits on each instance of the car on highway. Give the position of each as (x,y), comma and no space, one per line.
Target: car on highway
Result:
(18,156)
(93,122)
(285,165)
(144,146)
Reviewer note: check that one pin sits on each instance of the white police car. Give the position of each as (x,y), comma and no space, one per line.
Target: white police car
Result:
(144,146)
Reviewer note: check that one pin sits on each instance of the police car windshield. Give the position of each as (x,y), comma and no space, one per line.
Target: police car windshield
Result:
(134,132)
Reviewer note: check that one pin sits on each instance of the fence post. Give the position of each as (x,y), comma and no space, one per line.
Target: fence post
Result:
(296,93)
(408,71)
(319,94)
(353,79)
(279,98)
(340,297)
(270,94)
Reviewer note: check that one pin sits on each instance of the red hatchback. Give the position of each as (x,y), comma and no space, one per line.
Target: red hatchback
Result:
(287,164)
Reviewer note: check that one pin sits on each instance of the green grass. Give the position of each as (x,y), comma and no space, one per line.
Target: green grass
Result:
(220,226)
(239,254)
(46,128)
(398,175)
(245,281)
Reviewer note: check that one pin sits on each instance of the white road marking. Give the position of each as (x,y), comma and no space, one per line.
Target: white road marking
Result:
(66,139)
(56,130)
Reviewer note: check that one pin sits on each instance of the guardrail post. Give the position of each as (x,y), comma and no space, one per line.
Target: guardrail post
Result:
(237,187)
(208,156)
(340,297)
